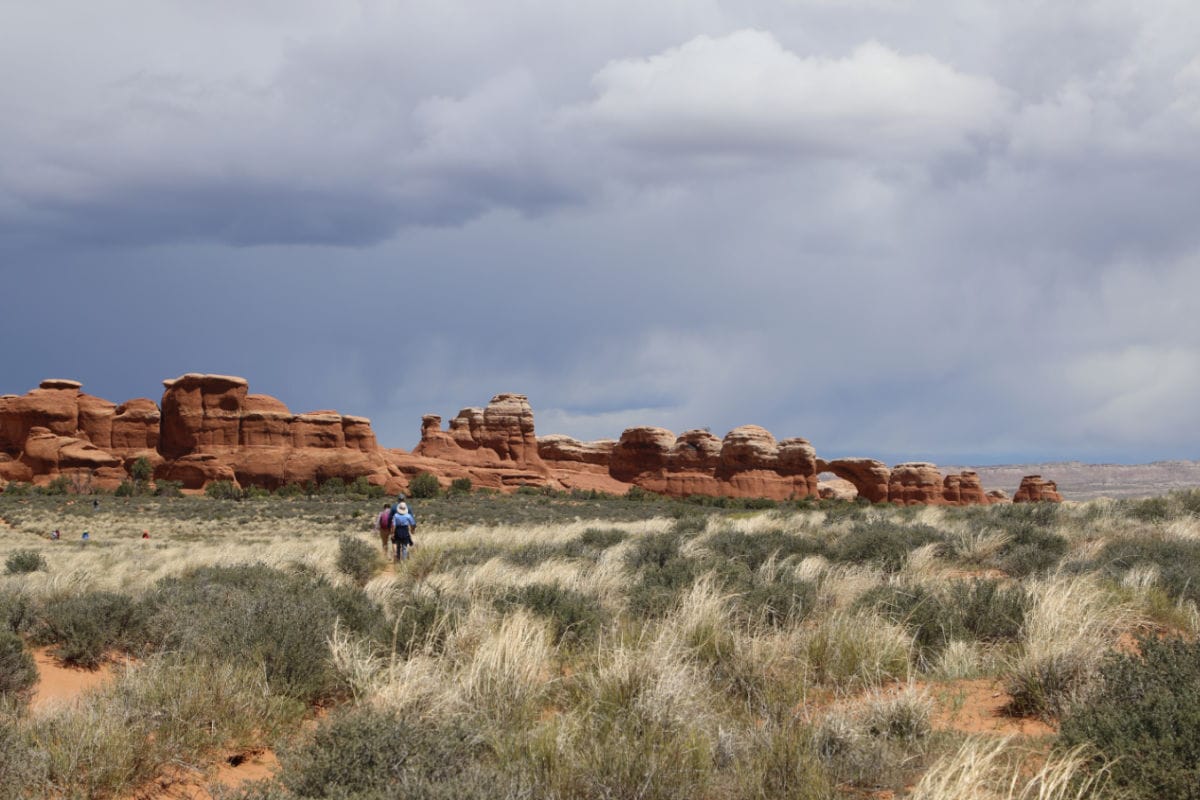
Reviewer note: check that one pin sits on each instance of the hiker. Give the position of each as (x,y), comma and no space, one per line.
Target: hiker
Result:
(95,505)
(85,536)
(383,524)
(403,526)
(55,535)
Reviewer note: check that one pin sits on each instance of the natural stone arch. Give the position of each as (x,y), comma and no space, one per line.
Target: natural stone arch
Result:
(870,477)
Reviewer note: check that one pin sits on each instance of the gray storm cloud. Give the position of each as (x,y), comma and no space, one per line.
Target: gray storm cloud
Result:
(962,230)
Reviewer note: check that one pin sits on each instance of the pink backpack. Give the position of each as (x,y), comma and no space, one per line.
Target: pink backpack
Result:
(385,520)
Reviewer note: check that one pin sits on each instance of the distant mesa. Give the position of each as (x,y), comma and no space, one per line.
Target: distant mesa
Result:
(209,428)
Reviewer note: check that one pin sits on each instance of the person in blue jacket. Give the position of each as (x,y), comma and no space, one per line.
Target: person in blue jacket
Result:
(403,526)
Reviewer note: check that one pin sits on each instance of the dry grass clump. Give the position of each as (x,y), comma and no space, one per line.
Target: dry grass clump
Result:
(995,769)
(1072,623)
(878,740)
(856,650)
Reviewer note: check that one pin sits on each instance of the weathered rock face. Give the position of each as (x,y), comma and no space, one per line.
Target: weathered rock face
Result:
(870,477)
(557,448)
(210,428)
(201,414)
(500,436)
(916,483)
(1036,489)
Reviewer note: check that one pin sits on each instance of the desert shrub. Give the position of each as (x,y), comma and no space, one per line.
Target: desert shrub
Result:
(253,492)
(22,765)
(372,755)
(574,617)
(637,494)
(21,561)
(1151,509)
(423,622)
(424,485)
(363,487)
(754,549)
(1145,719)
(277,620)
(877,743)
(83,627)
(460,486)
(223,490)
(985,610)
(125,489)
(1188,500)
(856,650)
(289,490)
(18,489)
(782,762)
(17,612)
(58,486)
(662,573)
(882,542)
(18,672)
(1177,560)
(357,559)
(165,488)
(602,538)
(776,601)
(334,487)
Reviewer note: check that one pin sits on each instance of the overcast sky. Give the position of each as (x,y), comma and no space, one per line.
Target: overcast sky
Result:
(958,230)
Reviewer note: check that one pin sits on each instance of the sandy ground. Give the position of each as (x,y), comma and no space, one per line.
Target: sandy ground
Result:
(60,685)
(976,706)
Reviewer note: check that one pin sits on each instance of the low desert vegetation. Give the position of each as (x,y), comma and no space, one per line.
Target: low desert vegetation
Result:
(578,646)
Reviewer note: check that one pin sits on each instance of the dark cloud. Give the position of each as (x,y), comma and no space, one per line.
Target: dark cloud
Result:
(960,230)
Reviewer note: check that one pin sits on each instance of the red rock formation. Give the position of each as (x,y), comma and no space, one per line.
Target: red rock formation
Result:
(201,414)
(210,428)
(1036,489)
(916,483)
(870,477)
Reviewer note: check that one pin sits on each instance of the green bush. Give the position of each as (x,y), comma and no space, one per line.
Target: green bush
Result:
(981,610)
(223,490)
(58,486)
(17,612)
(125,489)
(334,487)
(289,490)
(22,561)
(18,672)
(574,617)
(883,542)
(357,559)
(662,573)
(278,621)
(141,471)
(165,488)
(1178,563)
(424,622)
(1145,720)
(22,765)
(363,487)
(424,485)
(754,549)
(84,627)
(373,755)
(1152,509)
(460,486)
(18,489)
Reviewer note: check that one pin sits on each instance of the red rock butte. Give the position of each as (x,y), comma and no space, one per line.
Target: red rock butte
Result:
(209,428)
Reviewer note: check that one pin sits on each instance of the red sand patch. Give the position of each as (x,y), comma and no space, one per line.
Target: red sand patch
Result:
(977,706)
(233,771)
(59,684)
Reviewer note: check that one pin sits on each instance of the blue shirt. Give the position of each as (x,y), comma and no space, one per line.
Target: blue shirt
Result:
(403,520)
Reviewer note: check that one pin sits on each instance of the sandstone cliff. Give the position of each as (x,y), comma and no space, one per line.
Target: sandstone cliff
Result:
(209,427)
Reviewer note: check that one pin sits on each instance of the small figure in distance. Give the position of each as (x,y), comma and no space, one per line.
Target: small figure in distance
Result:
(95,504)
(85,536)
(55,535)
(383,524)
(145,534)
(403,526)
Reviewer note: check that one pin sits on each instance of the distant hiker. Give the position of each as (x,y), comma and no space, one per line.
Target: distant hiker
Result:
(145,534)
(95,505)
(85,536)
(403,526)
(55,535)
(383,524)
